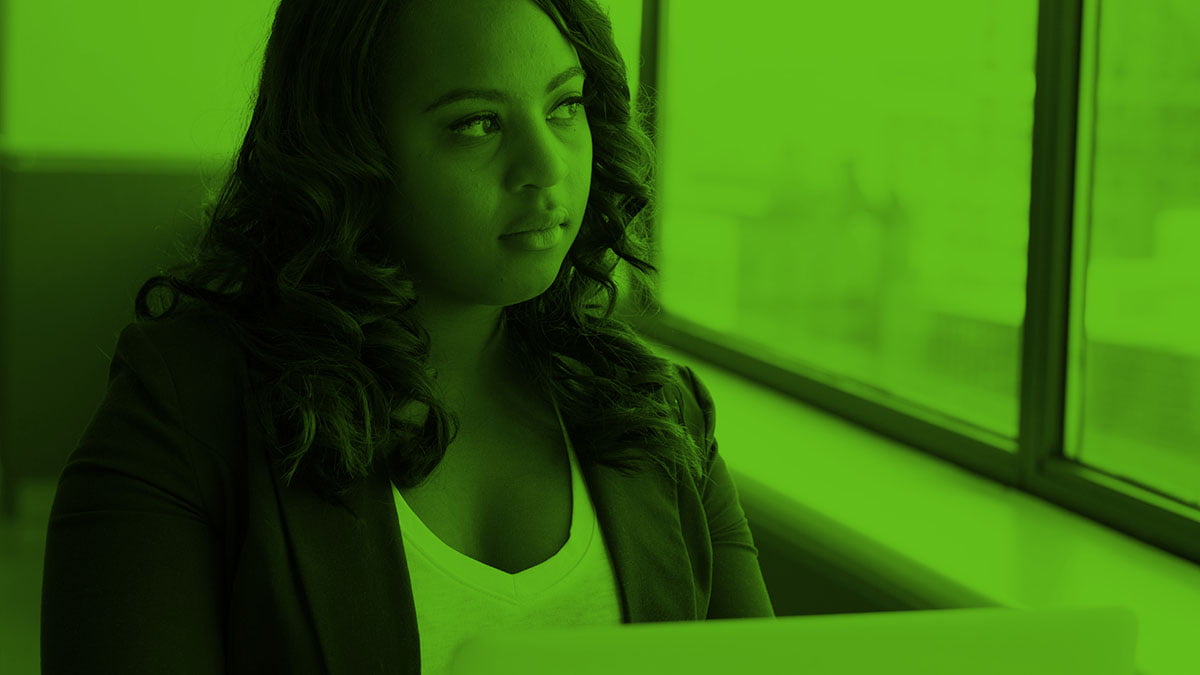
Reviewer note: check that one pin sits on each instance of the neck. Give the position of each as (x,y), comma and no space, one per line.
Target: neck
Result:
(469,349)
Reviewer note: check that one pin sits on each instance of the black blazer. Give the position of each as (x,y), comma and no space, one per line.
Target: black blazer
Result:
(174,547)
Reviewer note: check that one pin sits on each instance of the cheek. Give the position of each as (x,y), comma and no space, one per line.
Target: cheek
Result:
(436,190)
(450,212)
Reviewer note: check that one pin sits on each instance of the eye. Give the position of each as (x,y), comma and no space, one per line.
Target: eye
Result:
(477,119)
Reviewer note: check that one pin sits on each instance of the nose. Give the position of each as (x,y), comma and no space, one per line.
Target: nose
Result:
(541,156)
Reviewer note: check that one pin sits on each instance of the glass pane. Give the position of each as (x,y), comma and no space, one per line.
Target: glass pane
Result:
(851,190)
(1134,395)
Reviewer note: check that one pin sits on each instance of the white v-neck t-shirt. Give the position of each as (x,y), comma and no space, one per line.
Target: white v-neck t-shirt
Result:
(457,596)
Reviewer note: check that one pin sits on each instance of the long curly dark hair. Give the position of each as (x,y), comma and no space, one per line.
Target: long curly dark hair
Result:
(290,256)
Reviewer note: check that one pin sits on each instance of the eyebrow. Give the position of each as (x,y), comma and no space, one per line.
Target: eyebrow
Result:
(497,95)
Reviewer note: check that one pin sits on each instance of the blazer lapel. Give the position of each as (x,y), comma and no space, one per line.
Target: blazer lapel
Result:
(639,521)
(352,570)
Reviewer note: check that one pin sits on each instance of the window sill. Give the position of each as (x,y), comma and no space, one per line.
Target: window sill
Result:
(926,532)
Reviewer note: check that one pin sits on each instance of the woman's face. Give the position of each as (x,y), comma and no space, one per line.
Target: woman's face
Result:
(464,182)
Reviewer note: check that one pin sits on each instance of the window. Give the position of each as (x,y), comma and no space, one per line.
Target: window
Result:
(855,186)
(965,225)
(1134,394)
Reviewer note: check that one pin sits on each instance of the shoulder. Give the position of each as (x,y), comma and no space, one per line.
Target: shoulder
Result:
(196,343)
(191,334)
(200,365)
(695,402)
(695,410)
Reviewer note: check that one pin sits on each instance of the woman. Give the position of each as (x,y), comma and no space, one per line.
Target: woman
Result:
(376,417)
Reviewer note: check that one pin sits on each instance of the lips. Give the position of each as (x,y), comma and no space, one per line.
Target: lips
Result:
(537,221)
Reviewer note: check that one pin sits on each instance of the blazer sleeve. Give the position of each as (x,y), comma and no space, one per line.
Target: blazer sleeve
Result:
(738,589)
(131,579)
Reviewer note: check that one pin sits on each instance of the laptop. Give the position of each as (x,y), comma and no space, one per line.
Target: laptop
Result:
(978,641)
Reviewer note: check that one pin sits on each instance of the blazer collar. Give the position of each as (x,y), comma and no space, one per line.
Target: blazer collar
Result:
(351,567)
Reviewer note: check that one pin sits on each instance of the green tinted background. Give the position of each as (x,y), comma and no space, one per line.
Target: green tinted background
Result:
(846,188)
